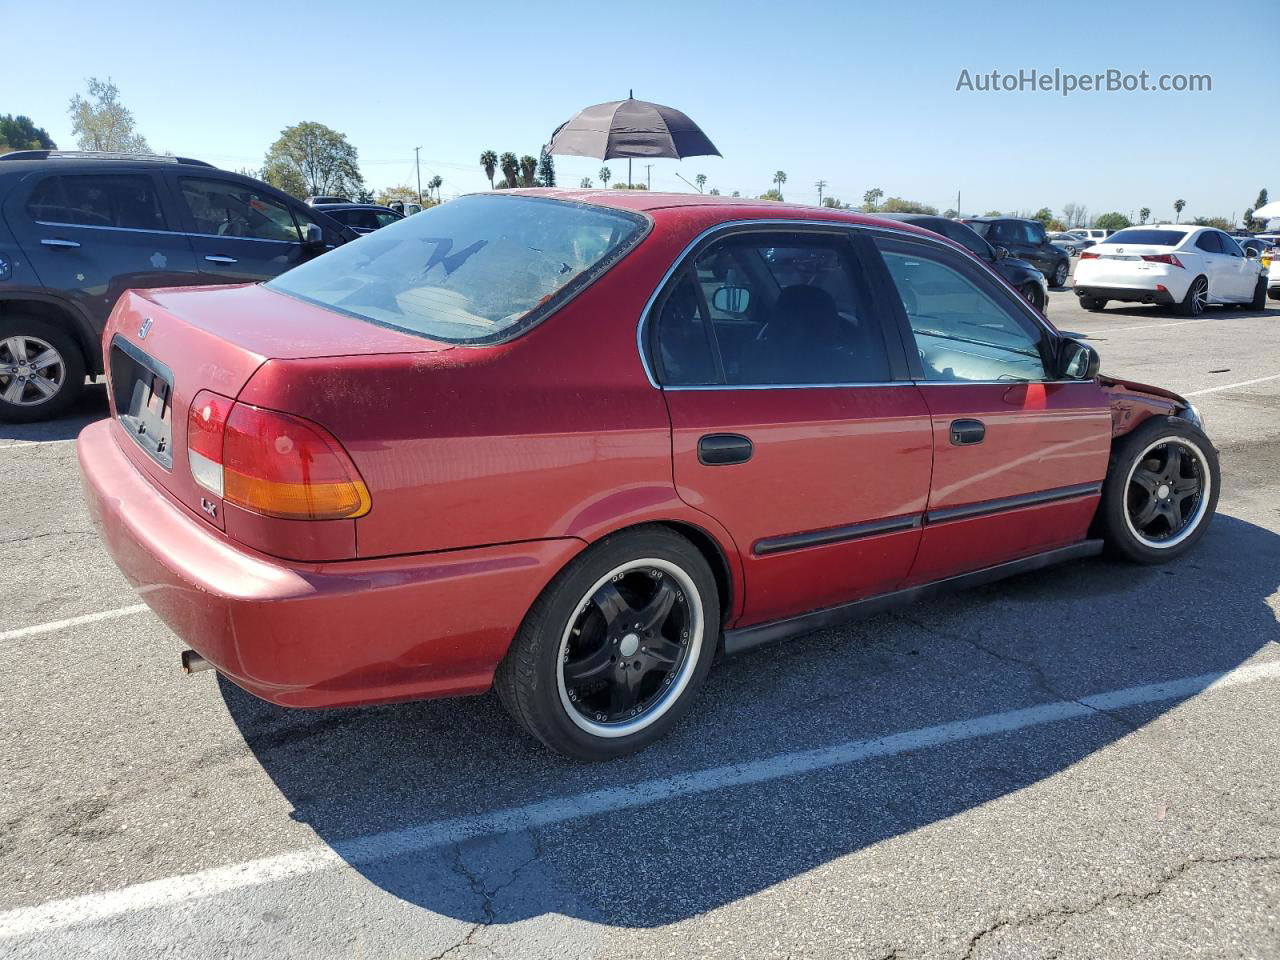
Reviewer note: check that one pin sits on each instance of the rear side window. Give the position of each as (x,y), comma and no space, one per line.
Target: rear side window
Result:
(1148,238)
(474,270)
(225,209)
(98,200)
(771,310)
(1209,242)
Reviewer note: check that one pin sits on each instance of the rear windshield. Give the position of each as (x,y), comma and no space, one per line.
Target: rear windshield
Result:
(478,269)
(1149,238)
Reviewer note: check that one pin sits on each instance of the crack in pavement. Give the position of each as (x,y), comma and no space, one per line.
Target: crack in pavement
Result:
(486,895)
(1058,916)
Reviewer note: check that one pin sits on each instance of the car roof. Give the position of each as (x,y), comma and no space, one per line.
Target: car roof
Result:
(644,201)
(27,160)
(993,219)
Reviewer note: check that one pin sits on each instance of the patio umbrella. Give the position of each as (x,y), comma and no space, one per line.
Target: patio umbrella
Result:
(631,128)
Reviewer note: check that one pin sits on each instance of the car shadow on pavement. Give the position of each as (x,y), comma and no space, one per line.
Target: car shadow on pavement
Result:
(1060,634)
(91,405)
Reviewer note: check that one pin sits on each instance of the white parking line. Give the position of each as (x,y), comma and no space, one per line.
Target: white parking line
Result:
(56,914)
(1232,386)
(1147,326)
(33,443)
(72,622)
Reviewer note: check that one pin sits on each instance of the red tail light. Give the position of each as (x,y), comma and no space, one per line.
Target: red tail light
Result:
(1086,255)
(271,463)
(1168,258)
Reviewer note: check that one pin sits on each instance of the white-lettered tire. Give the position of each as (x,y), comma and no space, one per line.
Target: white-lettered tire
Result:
(612,653)
(1161,490)
(41,370)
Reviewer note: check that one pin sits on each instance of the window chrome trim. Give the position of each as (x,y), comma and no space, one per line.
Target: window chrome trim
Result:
(840,226)
(167,233)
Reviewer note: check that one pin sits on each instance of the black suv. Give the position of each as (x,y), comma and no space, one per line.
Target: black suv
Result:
(1026,240)
(78,229)
(360,217)
(1022,276)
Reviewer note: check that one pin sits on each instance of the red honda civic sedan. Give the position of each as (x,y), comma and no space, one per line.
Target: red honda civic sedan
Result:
(571,444)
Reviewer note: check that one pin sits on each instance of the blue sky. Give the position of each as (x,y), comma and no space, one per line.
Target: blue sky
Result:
(856,95)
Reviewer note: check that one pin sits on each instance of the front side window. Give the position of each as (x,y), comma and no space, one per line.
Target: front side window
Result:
(965,328)
(98,200)
(385,219)
(771,309)
(474,270)
(222,208)
(1229,246)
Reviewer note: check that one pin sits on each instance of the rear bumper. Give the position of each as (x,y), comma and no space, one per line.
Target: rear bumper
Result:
(1130,294)
(315,635)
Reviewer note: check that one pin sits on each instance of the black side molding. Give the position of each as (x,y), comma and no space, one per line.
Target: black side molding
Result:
(1012,503)
(816,538)
(748,638)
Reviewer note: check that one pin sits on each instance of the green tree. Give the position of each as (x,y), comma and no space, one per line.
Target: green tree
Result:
(585,183)
(547,171)
(1178,206)
(1220,222)
(311,160)
(779,178)
(1112,221)
(605,175)
(832,203)
(400,192)
(528,169)
(951,214)
(701,181)
(714,192)
(899,205)
(1144,214)
(101,122)
(1044,215)
(771,195)
(510,169)
(363,195)
(19,133)
(435,183)
(993,213)
(489,163)
(871,199)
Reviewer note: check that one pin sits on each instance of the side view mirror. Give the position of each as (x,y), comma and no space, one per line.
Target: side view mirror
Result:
(314,235)
(1251,254)
(731,299)
(1077,361)
(1001,253)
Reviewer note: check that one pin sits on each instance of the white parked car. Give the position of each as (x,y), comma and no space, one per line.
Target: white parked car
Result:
(1094,234)
(1179,265)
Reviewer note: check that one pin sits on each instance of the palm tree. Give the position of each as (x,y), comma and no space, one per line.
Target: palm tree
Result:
(605,176)
(1177,209)
(489,161)
(586,183)
(871,198)
(510,168)
(1143,214)
(528,167)
(701,181)
(435,183)
(779,178)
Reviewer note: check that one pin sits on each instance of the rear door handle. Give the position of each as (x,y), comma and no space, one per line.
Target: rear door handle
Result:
(60,244)
(718,449)
(965,432)
(216,259)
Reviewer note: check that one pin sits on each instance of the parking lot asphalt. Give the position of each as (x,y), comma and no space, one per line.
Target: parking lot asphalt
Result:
(1076,763)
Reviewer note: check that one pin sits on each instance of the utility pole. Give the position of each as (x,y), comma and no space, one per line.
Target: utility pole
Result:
(648,173)
(418,167)
(957,203)
(821,185)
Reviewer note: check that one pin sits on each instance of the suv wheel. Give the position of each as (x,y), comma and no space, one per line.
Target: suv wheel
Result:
(41,370)
(1060,274)
(612,653)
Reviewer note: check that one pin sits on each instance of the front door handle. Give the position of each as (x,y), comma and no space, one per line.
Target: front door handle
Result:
(965,432)
(719,449)
(216,259)
(60,244)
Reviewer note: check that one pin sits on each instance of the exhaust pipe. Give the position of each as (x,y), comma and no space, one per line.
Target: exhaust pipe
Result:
(192,662)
